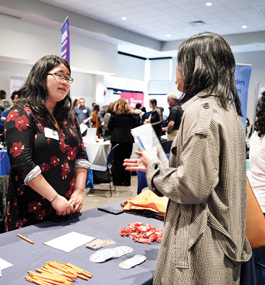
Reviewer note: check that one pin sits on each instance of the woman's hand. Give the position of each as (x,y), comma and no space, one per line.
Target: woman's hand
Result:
(62,206)
(76,200)
(142,163)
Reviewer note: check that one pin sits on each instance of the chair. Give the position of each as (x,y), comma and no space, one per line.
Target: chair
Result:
(166,145)
(142,183)
(107,168)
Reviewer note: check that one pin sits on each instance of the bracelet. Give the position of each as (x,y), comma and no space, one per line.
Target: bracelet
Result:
(54,198)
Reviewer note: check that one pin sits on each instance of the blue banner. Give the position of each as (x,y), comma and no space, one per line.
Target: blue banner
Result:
(242,77)
(65,41)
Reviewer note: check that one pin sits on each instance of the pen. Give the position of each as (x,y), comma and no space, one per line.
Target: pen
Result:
(26,239)
(141,143)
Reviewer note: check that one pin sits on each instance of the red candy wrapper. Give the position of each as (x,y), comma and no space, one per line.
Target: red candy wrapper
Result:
(142,233)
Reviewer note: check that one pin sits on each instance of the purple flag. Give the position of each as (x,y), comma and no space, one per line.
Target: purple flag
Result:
(65,41)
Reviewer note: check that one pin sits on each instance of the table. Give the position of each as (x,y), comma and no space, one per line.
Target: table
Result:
(97,151)
(25,256)
(4,163)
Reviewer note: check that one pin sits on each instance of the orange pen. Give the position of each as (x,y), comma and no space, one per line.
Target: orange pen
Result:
(26,239)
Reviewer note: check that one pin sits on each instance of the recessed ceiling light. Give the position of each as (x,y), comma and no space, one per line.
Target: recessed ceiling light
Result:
(209,4)
(244,26)
(168,35)
(124,18)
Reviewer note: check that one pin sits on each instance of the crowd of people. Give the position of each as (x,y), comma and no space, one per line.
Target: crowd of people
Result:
(204,238)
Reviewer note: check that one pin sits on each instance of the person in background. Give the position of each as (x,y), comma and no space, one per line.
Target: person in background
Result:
(47,155)
(14,98)
(138,114)
(120,124)
(155,118)
(4,104)
(174,118)
(82,113)
(204,238)
(75,103)
(257,177)
(106,131)
(94,119)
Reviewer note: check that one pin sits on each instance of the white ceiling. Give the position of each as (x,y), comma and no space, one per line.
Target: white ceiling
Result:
(148,23)
(158,18)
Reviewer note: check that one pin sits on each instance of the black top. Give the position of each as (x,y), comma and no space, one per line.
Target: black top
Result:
(120,127)
(156,121)
(31,147)
(175,114)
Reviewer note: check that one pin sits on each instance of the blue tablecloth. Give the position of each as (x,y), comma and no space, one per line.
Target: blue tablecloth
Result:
(25,256)
(4,163)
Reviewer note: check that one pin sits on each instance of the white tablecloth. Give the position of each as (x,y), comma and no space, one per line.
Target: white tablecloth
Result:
(98,152)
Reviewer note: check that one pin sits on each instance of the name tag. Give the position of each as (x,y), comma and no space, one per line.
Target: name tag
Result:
(84,111)
(52,134)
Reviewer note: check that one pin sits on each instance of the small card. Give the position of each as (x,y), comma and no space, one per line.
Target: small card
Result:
(98,243)
(52,134)
(4,264)
(131,262)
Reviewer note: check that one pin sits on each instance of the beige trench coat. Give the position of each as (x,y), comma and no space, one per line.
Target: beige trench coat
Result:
(204,232)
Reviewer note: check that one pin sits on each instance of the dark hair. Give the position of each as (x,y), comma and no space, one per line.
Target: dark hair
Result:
(153,102)
(35,91)
(13,95)
(96,107)
(2,94)
(259,125)
(138,106)
(143,109)
(206,62)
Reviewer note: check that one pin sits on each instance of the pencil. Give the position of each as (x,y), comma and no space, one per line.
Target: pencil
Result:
(26,239)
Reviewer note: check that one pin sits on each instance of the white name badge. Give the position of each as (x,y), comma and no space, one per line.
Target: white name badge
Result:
(84,111)
(49,133)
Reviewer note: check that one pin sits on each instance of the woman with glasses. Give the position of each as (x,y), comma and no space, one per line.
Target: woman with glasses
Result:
(204,238)
(48,159)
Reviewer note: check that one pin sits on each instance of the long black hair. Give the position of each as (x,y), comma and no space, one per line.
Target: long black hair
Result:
(34,91)
(259,125)
(206,62)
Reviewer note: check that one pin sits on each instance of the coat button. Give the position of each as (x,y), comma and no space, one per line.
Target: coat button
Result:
(206,106)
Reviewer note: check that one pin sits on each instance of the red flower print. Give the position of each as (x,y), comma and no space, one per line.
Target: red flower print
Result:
(65,170)
(69,193)
(27,109)
(41,214)
(71,153)
(72,133)
(22,123)
(63,146)
(44,167)
(54,160)
(8,208)
(72,184)
(12,115)
(20,224)
(34,206)
(20,190)
(16,149)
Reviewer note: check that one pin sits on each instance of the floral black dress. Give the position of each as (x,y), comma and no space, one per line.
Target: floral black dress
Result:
(32,149)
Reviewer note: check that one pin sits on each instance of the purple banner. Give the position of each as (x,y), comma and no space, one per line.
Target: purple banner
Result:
(65,41)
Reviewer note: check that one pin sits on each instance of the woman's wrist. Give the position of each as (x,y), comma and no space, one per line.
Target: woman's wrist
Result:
(54,198)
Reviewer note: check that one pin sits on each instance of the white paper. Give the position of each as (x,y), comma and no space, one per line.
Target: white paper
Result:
(69,241)
(146,138)
(4,264)
(83,128)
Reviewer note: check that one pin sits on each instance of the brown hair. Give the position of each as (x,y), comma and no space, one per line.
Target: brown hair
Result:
(122,107)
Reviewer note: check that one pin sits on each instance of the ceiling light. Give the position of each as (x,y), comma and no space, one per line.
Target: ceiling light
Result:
(124,18)
(168,35)
(209,4)
(244,26)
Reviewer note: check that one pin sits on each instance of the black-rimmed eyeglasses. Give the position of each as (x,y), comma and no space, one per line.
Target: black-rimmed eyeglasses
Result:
(61,77)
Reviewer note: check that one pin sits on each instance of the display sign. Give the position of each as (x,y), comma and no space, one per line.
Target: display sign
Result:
(133,98)
(65,41)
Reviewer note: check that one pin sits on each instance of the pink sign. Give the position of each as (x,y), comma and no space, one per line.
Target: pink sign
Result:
(133,98)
